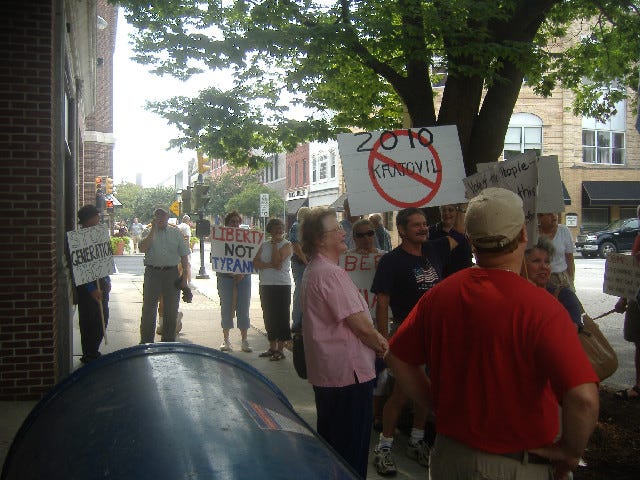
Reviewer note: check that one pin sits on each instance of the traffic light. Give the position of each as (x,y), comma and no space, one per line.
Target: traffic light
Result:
(109,205)
(202,163)
(186,200)
(99,185)
(200,197)
(108,186)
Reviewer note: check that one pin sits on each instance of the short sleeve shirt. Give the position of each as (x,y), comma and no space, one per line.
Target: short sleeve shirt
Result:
(335,356)
(563,244)
(167,248)
(405,277)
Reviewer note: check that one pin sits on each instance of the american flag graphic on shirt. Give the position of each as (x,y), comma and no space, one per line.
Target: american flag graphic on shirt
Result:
(426,276)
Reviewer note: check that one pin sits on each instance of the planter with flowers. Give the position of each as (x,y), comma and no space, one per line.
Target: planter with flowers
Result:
(120,245)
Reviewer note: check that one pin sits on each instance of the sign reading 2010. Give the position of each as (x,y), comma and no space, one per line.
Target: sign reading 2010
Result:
(409,167)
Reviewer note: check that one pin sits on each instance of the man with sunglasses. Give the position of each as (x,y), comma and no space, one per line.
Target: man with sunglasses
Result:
(402,277)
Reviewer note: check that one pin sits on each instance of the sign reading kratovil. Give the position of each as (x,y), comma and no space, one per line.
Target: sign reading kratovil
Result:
(621,275)
(520,175)
(91,256)
(362,268)
(233,249)
(394,169)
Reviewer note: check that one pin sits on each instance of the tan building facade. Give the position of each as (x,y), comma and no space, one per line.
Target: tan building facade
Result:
(599,162)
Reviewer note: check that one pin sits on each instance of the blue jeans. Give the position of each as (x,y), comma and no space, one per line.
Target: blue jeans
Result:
(297,269)
(225,292)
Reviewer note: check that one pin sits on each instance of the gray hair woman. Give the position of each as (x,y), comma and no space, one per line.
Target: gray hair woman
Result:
(339,340)
(538,270)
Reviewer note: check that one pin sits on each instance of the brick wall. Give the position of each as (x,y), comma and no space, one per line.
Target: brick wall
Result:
(98,152)
(298,156)
(27,173)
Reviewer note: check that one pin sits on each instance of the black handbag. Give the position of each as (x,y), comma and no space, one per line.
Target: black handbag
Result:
(297,349)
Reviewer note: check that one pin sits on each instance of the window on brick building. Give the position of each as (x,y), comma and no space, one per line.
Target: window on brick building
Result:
(296,174)
(314,171)
(523,134)
(305,175)
(604,142)
(288,175)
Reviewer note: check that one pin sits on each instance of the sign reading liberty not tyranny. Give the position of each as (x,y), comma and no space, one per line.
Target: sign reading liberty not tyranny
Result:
(91,256)
(411,167)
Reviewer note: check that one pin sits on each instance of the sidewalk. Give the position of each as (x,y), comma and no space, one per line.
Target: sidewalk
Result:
(201,326)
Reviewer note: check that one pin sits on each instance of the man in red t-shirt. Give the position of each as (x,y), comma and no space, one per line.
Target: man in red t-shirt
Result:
(503,357)
(631,311)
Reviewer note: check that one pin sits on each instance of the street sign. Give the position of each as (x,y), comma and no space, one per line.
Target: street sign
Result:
(264,205)
(175,208)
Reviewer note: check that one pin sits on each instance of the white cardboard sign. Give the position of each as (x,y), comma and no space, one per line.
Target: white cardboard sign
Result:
(362,268)
(91,256)
(233,249)
(520,175)
(621,275)
(395,169)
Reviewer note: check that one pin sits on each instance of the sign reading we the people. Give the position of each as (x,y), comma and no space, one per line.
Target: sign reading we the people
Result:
(362,268)
(621,275)
(91,255)
(394,169)
(520,175)
(233,249)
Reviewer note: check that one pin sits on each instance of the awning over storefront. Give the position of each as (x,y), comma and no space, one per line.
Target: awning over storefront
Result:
(565,195)
(294,205)
(338,205)
(604,193)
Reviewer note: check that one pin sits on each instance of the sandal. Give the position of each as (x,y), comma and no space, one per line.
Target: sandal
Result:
(625,395)
(268,353)
(277,355)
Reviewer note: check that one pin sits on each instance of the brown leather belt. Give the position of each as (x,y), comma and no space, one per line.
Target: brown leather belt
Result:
(527,457)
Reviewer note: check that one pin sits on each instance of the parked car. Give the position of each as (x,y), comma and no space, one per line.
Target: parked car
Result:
(616,237)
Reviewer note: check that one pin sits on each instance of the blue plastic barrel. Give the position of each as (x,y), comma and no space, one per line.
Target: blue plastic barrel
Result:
(168,411)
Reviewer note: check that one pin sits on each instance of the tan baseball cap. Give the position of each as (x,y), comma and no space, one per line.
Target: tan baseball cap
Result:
(494,218)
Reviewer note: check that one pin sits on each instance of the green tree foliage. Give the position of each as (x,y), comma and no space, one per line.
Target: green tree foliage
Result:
(371,63)
(247,202)
(127,193)
(148,199)
(225,187)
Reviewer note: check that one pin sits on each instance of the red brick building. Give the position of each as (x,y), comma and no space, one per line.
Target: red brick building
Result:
(51,80)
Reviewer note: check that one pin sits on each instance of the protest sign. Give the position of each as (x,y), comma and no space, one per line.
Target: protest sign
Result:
(362,268)
(233,249)
(520,175)
(550,198)
(621,275)
(90,253)
(394,169)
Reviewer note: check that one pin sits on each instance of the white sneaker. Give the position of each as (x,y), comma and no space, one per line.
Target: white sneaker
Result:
(226,346)
(246,347)
(383,461)
(419,452)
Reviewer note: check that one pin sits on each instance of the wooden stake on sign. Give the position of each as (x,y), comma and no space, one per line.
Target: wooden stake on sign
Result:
(104,328)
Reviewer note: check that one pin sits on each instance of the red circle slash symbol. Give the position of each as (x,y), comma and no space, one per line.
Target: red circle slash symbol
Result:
(432,185)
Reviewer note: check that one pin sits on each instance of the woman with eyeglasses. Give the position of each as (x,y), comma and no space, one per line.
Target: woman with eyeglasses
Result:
(364,235)
(461,256)
(364,240)
(340,341)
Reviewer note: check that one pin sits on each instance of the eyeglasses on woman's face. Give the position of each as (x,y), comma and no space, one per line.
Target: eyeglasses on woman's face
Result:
(368,233)
(337,229)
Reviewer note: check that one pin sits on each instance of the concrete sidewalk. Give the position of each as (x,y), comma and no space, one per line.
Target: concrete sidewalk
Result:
(201,326)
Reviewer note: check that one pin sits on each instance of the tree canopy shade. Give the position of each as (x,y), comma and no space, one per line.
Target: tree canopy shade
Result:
(371,64)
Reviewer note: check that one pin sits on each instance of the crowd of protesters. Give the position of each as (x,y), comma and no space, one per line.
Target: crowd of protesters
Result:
(524,400)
